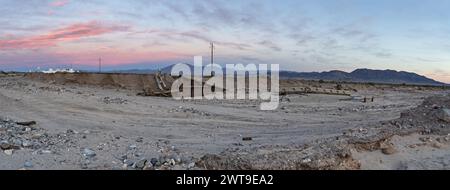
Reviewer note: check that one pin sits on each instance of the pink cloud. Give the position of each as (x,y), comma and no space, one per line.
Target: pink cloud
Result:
(59,3)
(69,33)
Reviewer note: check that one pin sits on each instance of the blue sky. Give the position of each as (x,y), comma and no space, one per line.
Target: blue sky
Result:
(301,35)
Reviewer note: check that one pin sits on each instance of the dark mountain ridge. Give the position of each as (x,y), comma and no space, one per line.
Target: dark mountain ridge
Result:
(358,75)
(365,75)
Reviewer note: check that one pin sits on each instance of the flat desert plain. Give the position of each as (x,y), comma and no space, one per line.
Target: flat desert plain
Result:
(51,125)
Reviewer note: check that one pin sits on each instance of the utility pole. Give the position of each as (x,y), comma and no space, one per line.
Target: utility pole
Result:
(100,65)
(212,53)
(212,57)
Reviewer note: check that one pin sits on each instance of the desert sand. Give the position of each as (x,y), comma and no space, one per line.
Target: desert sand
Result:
(81,126)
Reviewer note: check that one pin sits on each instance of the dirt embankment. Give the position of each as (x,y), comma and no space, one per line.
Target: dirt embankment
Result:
(135,82)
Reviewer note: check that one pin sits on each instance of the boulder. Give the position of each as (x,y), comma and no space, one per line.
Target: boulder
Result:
(444,115)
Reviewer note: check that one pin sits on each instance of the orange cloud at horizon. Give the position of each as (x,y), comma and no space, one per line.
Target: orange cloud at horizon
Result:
(439,76)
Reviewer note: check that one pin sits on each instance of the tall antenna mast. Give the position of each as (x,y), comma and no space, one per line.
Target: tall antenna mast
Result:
(100,65)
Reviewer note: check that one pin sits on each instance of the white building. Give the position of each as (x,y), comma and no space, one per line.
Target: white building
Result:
(59,71)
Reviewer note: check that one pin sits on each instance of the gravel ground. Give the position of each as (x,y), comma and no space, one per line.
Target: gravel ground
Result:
(87,127)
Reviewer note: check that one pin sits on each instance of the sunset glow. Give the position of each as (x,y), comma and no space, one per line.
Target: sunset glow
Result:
(300,35)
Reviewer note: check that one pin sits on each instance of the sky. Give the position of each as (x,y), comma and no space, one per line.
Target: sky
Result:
(300,35)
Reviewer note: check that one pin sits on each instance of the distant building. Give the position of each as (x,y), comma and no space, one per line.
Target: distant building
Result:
(60,71)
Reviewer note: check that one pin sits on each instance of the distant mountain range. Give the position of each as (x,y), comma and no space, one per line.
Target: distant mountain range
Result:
(358,75)
(365,75)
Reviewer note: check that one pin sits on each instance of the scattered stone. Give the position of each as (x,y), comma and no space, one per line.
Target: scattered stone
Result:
(26,123)
(182,109)
(28,164)
(186,159)
(27,144)
(8,152)
(148,166)
(108,100)
(362,130)
(191,165)
(140,164)
(17,143)
(46,151)
(444,115)
(4,145)
(128,162)
(88,153)
(36,136)
(306,160)
(389,150)
(425,139)
(132,147)
(154,161)
(177,159)
(403,165)
(436,145)
(171,162)
(177,167)
(69,131)
(84,166)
